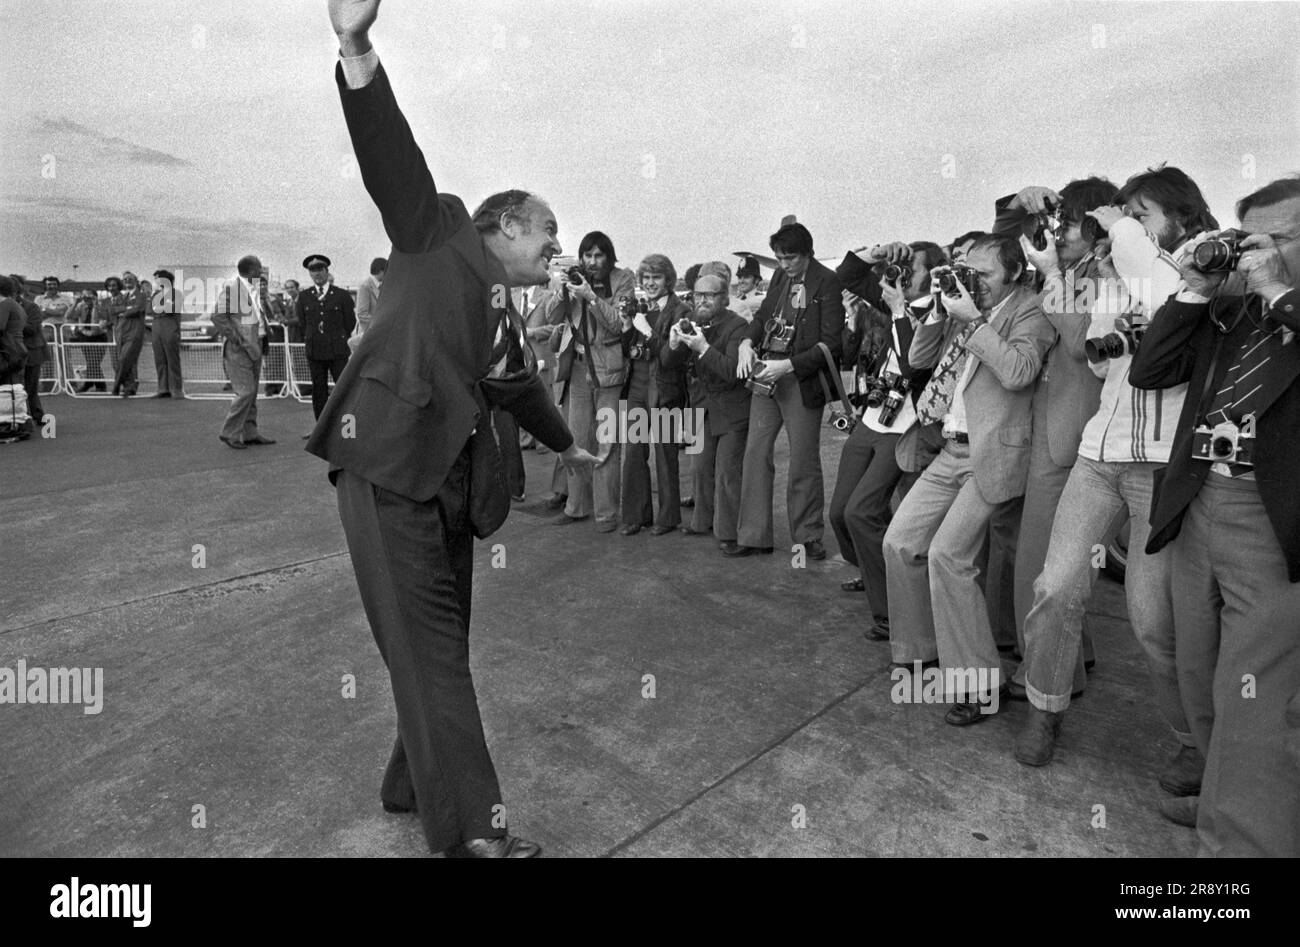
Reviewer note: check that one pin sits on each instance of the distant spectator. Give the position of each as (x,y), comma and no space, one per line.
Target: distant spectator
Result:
(165,306)
(129,335)
(54,305)
(13,353)
(34,340)
(747,297)
(290,321)
(94,318)
(368,294)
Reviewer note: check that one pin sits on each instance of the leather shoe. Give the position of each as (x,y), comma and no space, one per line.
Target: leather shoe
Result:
(260,440)
(694,532)
(739,551)
(814,550)
(608,526)
(237,445)
(1182,810)
(687,502)
(162,394)
(911,665)
(564,519)
(728,547)
(1037,738)
(505,846)
(661,530)
(1182,777)
(853,585)
(557,501)
(629,530)
(967,713)
(517,497)
(877,632)
(397,809)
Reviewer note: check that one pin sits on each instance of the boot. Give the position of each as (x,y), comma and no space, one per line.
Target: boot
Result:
(1037,738)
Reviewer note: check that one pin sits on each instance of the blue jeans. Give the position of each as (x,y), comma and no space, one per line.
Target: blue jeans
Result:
(1094,494)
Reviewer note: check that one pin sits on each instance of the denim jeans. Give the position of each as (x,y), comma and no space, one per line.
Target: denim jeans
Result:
(1235,618)
(1095,492)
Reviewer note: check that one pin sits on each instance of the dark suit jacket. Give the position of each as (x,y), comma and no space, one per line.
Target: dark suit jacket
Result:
(408,401)
(1072,391)
(820,320)
(670,374)
(715,387)
(326,322)
(33,333)
(13,354)
(1178,347)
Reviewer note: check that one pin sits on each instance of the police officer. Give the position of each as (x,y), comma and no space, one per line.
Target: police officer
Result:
(327,315)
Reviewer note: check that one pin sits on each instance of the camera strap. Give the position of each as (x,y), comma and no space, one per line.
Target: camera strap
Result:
(833,370)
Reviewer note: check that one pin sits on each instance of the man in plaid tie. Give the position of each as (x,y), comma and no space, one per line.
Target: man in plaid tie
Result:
(1228,506)
(988,350)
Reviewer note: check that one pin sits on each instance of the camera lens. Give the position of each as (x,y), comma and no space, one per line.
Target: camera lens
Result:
(1222,448)
(1214,256)
(575,275)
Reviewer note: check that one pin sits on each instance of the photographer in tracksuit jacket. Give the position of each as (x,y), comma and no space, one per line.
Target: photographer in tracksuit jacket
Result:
(1228,506)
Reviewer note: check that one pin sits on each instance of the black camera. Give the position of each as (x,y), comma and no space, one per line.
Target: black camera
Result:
(1045,229)
(899,273)
(1223,444)
(887,392)
(575,275)
(843,422)
(1123,341)
(959,273)
(685,326)
(1219,254)
(638,349)
(778,339)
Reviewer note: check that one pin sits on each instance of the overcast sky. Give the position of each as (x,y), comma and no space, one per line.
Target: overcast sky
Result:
(147,133)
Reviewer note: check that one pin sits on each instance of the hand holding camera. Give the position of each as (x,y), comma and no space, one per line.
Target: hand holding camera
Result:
(1036,200)
(955,286)
(1043,259)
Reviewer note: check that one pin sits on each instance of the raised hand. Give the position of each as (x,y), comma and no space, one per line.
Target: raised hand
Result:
(351,20)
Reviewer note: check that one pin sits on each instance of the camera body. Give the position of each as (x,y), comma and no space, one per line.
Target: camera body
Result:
(574,273)
(778,342)
(959,273)
(1123,341)
(685,326)
(843,422)
(1223,444)
(1220,253)
(1046,227)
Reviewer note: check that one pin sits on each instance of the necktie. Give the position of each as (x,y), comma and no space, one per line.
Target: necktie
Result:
(1244,378)
(937,397)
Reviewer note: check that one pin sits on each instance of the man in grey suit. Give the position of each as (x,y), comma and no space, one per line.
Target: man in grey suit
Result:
(241,318)
(987,351)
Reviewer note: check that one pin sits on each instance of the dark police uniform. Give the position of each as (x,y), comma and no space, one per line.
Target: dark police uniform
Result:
(326,324)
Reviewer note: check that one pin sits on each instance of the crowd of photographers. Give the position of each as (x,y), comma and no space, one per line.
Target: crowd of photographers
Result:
(1100,356)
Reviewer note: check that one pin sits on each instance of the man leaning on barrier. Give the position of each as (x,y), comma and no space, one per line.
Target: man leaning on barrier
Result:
(407,439)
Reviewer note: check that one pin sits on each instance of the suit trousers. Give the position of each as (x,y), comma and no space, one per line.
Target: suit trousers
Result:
(860,510)
(32,385)
(414,564)
(130,339)
(322,370)
(512,456)
(805,493)
(635,491)
(594,411)
(930,548)
(1094,493)
(997,565)
(167,354)
(718,483)
(243,372)
(1238,658)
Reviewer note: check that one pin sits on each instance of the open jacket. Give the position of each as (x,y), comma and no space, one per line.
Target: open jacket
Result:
(821,320)
(604,328)
(412,394)
(999,394)
(714,386)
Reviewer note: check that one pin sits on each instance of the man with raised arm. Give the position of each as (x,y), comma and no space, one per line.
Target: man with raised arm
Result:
(406,433)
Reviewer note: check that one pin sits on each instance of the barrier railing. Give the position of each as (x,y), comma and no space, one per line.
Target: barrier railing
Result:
(80,369)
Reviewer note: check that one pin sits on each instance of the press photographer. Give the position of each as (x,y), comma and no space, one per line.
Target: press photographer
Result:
(1121,447)
(986,348)
(886,388)
(1228,507)
(783,365)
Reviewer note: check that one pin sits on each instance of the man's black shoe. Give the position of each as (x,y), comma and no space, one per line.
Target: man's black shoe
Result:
(260,440)
(853,585)
(661,530)
(694,532)
(911,665)
(557,501)
(728,547)
(876,633)
(739,552)
(814,550)
(237,445)
(163,394)
(506,846)
(397,809)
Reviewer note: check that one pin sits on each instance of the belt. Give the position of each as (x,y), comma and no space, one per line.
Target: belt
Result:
(959,438)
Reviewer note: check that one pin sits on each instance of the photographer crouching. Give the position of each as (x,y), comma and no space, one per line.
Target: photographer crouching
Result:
(1228,505)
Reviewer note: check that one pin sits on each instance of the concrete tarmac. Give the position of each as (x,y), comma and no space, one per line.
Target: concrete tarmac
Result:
(642,695)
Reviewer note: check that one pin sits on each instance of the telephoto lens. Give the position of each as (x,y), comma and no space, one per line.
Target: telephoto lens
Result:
(1219,254)
(898,273)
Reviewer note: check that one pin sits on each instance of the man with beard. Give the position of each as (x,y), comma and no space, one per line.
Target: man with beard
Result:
(592,365)
(1122,446)
(708,350)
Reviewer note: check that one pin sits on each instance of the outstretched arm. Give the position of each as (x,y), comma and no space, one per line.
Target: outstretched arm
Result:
(391,163)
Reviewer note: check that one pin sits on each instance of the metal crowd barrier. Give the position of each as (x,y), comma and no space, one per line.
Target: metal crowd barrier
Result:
(86,368)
